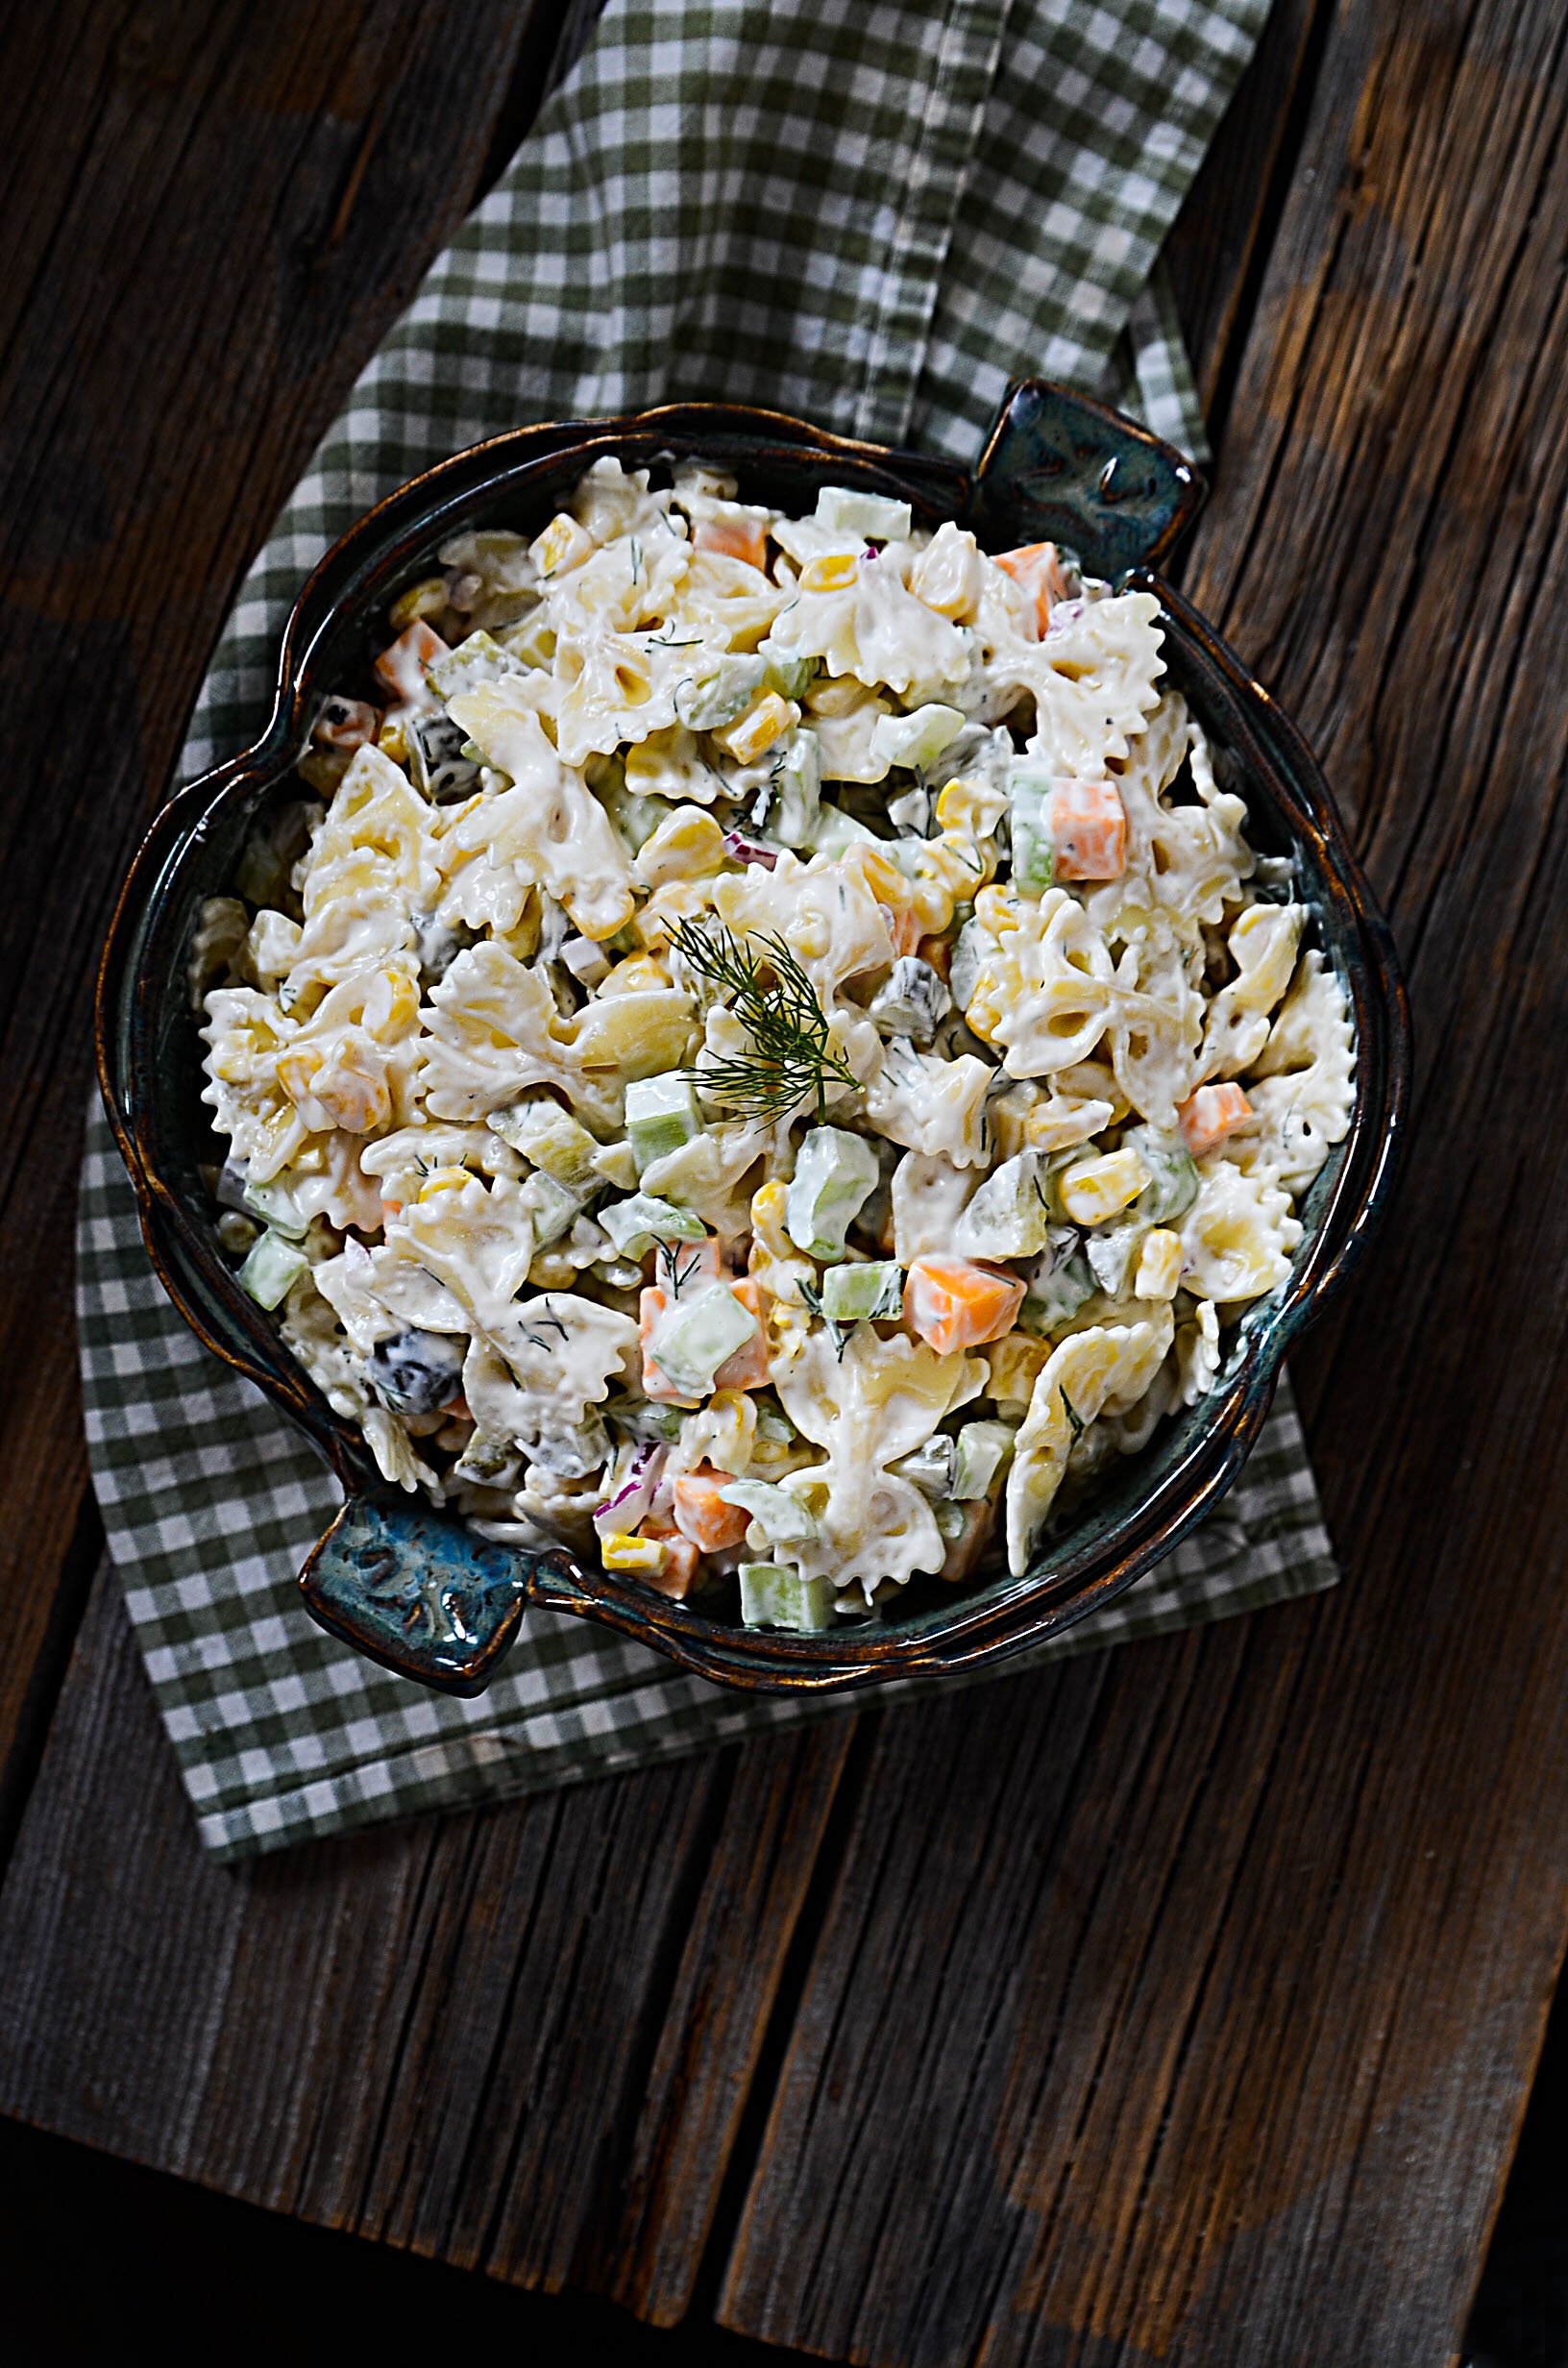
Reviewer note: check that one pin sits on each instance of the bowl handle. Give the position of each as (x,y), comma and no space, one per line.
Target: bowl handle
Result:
(417,1589)
(1059,467)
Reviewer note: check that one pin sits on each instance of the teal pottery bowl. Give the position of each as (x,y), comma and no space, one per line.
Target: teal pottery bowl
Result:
(413,1587)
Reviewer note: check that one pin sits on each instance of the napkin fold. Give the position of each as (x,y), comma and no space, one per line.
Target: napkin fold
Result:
(874,216)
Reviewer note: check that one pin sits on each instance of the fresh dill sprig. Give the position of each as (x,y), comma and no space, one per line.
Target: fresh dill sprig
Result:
(790,1056)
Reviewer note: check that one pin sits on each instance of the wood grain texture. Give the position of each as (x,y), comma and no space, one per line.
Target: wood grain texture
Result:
(1177,2005)
(211,220)
(1220,241)
(1233,2073)
(518,2041)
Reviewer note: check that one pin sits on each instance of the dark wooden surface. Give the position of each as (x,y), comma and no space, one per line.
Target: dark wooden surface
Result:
(1180,2005)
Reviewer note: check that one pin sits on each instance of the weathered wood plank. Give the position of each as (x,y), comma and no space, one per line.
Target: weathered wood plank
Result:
(1235,2074)
(519,2040)
(211,220)
(1220,243)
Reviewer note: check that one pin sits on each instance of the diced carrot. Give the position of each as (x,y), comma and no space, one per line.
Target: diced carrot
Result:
(957,1303)
(402,665)
(738,538)
(680,1561)
(747,1367)
(1206,1117)
(702,1514)
(1089,827)
(1038,567)
(651,1306)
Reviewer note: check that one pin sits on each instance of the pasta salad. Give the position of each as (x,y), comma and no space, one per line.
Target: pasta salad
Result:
(766,1055)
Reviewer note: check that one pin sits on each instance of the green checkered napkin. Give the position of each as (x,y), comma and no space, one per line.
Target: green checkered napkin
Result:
(874,215)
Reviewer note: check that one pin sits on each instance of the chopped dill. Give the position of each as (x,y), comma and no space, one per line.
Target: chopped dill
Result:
(675,1275)
(790,1058)
(837,1333)
(1076,1419)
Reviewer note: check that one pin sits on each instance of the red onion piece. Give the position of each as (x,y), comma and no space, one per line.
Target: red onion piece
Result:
(634,1498)
(749,850)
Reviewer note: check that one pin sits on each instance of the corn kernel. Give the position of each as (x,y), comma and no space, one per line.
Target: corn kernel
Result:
(1158,1265)
(831,571)
(391,1007)
(1097,1188)
(757,727)
(442,1181)
(393,741)
(687,844)
(563,544)
(644,1557)
(424,599)
(970,807)
(640,974)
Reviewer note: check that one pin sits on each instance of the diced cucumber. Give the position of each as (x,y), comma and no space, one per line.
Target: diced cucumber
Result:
(554,1206)
(635,817)
(436,758)
(276,1206)
(475,660)
(967,957)
(272,1270)
(930,1467)
(719,689)
(1110,1253)
(1033,850)
(551,1138)
(775,1427)
(876,518)
(1009,1216)
(772,1598)
(796,783)
(951,1520)
(1059,1285)
(834,1174)
(617,1164)
(696,1334)
(780,1517)
(662,1114)
(835,831)
(918,739)
(911,1001)
(983,1448)
(587,962)
(790,676)
(1173,1176)
(912,811)
(862,1293)
(634,1226)
(643,1418)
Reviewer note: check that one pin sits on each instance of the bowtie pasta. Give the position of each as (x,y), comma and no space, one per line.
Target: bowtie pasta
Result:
(767,1056)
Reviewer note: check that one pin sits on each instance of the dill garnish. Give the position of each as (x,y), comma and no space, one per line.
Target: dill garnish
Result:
(1079,1426)
(790,1057)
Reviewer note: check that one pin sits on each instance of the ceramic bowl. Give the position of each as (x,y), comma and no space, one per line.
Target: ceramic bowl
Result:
(413,1587)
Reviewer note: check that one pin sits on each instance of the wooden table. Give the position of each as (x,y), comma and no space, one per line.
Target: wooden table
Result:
(1179,2005)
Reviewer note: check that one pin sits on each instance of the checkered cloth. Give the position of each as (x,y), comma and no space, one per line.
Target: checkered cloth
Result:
(874,216)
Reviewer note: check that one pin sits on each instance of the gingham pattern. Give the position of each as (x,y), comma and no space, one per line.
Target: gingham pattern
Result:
(874,216)
(210,1500)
